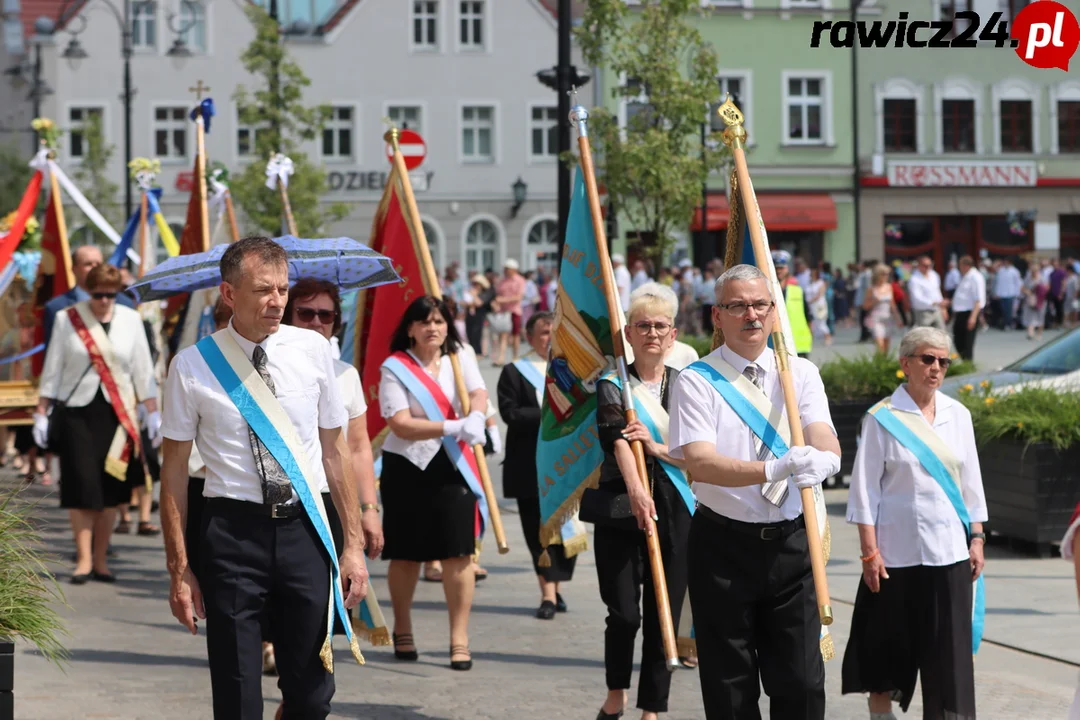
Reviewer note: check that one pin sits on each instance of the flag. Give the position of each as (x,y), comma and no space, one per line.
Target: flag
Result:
(54,273)
(179,321)
(568,452)
(16,221)
(380,310)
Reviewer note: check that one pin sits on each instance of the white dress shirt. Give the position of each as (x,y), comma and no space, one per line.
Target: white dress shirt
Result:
(916,524)
(352,392)
(197,408)
(623,282)
(66,360)
(925,291)
(952,279)
(1008,282)
(700,414)
(970,292)
(393,397)
(680,355)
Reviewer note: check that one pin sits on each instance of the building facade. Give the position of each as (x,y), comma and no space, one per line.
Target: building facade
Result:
(966,151)
(462,73)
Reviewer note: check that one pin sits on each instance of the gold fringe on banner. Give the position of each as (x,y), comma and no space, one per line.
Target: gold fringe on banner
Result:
(375,636)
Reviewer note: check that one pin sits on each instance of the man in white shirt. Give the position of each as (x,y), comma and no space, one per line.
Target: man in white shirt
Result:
(260,552)
(751,587)
(967,302)
(924,289)
(952,279)
(622,280)
(640,276)
(1007,286)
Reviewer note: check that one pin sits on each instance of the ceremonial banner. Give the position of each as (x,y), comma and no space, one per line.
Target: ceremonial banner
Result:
(568,452)
(14,225)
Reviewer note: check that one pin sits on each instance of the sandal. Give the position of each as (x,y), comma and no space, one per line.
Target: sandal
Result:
(407,640)
(122,528)
(433,575)
(481,573)
(46,478)
(460,664)
(148,529)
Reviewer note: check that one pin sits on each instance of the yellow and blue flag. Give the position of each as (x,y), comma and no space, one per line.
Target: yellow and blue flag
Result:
(127,240)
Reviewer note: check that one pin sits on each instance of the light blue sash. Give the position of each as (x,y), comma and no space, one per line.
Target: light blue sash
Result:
(530,373)
(950,485)
(758,423)
(677,476)
(452,446)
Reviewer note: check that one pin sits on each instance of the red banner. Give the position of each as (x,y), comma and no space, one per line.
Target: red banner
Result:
(53,272)
(191,242)
(9,243)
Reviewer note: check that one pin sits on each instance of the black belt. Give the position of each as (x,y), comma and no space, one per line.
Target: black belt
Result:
(761,531)
(276,511)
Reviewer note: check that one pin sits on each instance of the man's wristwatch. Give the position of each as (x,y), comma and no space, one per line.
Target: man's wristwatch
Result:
(978,536)
(364,507)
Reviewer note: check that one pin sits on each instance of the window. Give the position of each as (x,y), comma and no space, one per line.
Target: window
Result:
(958,125)
(728,86)
(637,101)
(431,234)
(477,134)
(425,24)
(805,110)
(406,117)
(1068,129)
(78,117)
(144,25)
(193,17)
(1016,126)
(481,246)
(471,24)
(544,132)
(337,135)
(170,133)
(247,139)
(542,243)
(900,125)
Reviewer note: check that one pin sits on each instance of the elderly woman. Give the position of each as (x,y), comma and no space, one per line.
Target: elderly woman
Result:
(917,497)
(662,505)
(97,367)
(430,505)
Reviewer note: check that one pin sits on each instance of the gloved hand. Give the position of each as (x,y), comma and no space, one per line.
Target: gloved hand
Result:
(453,428)
(791,463)
(41,430)
(496,439)
(153,428)
(473,432)
(818,465)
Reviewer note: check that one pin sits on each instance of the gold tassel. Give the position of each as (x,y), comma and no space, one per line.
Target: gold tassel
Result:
(326,654)
(376,636)
(355,647)
(575,545)
(828,650)
(117,468)
(544,560)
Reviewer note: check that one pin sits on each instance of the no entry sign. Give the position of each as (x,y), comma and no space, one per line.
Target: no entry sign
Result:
(413,149)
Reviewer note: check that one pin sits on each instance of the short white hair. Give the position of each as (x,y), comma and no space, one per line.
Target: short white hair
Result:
(738,272)
(654,296)
(922,337)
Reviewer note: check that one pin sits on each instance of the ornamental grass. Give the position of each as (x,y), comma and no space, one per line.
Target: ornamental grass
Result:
(1027,415)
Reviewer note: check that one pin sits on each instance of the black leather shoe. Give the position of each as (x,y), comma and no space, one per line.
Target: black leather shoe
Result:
(405,639)
(80,579)
(460,664)
(103,577)
(560,604)
(609,716)
(546,611)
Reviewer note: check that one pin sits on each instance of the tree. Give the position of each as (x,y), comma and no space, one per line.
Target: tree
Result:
(92,177)
(655,166)
(15,173)
(275,108)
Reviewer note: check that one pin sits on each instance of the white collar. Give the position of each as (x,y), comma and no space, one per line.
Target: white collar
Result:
(944,405)
(766,360)
(246,345)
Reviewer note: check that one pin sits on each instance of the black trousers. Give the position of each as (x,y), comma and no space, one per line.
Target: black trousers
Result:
(622,566)
(755,614)
(963,338)
(250,562)
(561,568)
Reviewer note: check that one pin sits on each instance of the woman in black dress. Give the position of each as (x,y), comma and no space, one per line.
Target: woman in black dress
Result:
(430,513)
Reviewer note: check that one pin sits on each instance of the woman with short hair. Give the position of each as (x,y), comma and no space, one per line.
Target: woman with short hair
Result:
(917,498)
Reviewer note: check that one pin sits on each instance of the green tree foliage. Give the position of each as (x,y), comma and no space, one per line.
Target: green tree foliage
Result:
(653,168)
(91,175)
(276,108)
(15,173)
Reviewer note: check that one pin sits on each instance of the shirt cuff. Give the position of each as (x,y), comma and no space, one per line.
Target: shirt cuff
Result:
(176,435)
(860,517)
(978,514)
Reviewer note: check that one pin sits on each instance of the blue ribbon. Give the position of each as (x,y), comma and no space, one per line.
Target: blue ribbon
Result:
(758,423)
(530,373)
(950,485)
(22,355)
(127,239)
(206,109)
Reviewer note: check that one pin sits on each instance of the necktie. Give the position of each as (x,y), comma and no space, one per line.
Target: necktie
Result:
(774,492)
(277,488)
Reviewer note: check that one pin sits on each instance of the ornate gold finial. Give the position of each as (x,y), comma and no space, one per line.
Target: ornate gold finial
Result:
(391,136)
(734,132)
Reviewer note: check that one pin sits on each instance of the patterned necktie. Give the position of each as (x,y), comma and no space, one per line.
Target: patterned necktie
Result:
(277,488)
(774,492)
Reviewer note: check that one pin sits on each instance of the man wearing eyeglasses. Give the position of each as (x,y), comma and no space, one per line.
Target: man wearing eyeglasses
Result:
(751,585)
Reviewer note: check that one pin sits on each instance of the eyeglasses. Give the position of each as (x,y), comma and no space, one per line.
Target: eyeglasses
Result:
(326,317)
(739,309)
(644,328)
(928,359)
(103,296)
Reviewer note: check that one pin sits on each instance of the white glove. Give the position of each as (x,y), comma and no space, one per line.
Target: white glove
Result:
(818,465)
(473,432)
(153,428)
(791,463)
(496,439)
(41,430)
(453,428)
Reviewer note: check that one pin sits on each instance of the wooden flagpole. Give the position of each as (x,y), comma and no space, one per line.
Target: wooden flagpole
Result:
(579,116)
(230,213)
(64,261)
(290,221)
(200,166)
(735,138)
(431,282)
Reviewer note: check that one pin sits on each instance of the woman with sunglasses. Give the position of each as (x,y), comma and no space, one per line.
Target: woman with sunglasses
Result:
(94,423)
(917,498)
(622,563)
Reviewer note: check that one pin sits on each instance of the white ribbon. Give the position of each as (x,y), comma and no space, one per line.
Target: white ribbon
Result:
(40,161)
(145,180)
(87,209)
(218,190)
(280,168)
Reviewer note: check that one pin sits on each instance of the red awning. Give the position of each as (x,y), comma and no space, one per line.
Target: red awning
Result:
(810,211)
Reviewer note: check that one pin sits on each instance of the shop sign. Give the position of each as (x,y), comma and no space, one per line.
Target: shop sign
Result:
(373,180)
(962,174)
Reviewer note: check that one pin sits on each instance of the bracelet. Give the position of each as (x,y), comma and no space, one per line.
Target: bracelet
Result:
(364,507)
(871,556)
(978,536)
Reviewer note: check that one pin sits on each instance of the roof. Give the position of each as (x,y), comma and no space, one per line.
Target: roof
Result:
(577,8)
(31,10)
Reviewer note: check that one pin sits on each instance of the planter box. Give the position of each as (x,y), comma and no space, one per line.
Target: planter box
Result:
(7,679)
(847,416)
(1030,493)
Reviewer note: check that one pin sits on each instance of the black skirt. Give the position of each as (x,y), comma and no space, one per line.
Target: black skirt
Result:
(562,567)
(82,442)
(919,623)
(427,514)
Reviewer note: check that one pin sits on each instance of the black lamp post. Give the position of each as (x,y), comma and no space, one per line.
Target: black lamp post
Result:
(26,70)
(520,190)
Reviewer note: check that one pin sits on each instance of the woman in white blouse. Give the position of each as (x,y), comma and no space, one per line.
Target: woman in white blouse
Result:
(430,511)
(913,611)
(84,419)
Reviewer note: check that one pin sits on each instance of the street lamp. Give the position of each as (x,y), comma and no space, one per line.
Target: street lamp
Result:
(520,189)
(26,71)
(75,52)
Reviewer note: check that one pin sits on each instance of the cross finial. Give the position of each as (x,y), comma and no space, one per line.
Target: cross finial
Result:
(199,89)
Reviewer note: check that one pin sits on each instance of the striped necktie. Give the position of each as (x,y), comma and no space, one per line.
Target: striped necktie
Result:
(774,492)
(277,489)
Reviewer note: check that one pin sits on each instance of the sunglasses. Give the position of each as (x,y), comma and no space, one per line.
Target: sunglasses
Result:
(326,317)
(103,296)
(929,359)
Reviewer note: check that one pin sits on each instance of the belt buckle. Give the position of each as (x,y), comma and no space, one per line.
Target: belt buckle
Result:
(770,533)
(274,511)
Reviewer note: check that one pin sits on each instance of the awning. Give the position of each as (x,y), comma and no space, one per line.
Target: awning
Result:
(786,211)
